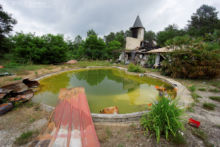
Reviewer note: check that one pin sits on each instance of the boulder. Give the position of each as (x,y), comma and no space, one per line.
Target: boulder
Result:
(4,108)
(110,110)
(14,88)
(31,84)
(23,96)
(71,62)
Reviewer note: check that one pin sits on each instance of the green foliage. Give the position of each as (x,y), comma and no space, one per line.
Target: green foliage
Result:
(209,106)
(6,26)
(202,89)
(149,36)
(135,68)
(192,88)
(47,49)
(94,47)
(205,20)
(118,36)
(215,98)
(163,119)
(25,137)
(111,49)
(194,58)
(215,90)
(179,139)
(169,32)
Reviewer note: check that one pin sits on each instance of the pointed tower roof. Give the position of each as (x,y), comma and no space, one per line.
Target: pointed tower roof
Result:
(137,23)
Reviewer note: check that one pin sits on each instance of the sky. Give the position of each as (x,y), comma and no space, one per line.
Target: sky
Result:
(76,17)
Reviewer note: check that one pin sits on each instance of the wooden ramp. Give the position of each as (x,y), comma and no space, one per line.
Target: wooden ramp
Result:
(71,123)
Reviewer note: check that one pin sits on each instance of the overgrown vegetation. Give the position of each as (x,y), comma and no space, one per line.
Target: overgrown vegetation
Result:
(163,119)
(215,98)
(25,137)
(209,106)
(134,68)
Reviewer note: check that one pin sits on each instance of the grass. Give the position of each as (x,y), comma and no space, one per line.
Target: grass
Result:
(215,98)
(108,132)
(202,135)
(20,69)
(195,96)
(17,78)
(209,106)
(215,90)
(179,139)
(202,89)
(215,83)
(25,137)
(93,63)
(135,68)
(192,88)
(120,145)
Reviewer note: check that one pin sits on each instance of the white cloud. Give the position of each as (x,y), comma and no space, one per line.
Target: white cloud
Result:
(77,17)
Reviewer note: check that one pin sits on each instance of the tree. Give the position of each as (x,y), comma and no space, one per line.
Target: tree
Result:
(6,26)
(91,32)
(169,32)
(111,48)
(149,36)
(205,20)
(94,47)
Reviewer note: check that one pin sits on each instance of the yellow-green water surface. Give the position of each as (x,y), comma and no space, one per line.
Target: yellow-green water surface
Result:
(104,88)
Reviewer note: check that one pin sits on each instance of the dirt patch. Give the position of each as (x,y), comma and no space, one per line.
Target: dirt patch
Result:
(28,117)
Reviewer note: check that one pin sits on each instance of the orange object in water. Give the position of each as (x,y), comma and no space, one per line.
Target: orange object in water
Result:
(160,88)
(149,104)
(71,123)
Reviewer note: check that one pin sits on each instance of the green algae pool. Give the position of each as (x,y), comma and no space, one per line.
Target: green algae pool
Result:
(104,88)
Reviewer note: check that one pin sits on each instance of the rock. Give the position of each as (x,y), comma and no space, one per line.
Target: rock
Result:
(31,84)
(15,88)
(110,110)
(4,108)
(23,96)
(71,62)
(5,74)
(2,95)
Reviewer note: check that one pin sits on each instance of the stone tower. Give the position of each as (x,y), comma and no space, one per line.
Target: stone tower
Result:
(137,30)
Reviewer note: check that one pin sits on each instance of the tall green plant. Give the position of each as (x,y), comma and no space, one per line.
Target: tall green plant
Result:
(163,119)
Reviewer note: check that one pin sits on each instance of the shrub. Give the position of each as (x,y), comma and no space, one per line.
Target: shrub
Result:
(215,98)
(135,68)
(209,106)
(192,88)
(194,59)
(163,119)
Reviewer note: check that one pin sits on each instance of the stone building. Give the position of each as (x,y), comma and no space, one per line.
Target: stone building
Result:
(137,49)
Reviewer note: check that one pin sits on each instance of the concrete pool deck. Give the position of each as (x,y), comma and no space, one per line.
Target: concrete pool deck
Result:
(183,96)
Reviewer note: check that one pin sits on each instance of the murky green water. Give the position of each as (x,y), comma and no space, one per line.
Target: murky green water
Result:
(104,88)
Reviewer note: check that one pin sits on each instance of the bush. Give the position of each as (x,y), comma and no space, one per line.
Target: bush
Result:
(195,59)
(192,88)
(163,119)
(135,68)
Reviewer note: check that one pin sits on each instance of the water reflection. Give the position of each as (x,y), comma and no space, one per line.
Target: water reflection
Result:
(104,88)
